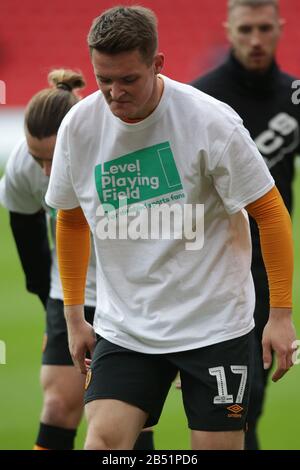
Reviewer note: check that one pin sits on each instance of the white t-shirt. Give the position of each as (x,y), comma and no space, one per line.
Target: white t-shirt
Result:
(22,190)
(156,296)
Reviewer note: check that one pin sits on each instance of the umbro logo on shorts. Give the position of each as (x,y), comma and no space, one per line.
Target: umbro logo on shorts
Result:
(236,411)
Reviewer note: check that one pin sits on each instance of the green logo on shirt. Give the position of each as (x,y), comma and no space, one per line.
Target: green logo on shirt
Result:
(138,176)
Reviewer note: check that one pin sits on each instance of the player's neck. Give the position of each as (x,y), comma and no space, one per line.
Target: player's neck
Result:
(154,102)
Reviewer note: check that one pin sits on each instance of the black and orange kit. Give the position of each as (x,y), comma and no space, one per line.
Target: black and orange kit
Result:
(218,390)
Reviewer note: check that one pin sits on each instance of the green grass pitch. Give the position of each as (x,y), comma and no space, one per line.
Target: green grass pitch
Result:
(21,327)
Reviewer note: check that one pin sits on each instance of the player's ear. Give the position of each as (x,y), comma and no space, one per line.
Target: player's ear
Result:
(158,62)
(226,26)
(282,23)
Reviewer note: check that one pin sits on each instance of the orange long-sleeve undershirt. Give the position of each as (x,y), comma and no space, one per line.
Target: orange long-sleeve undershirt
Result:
(73,253)
(269,211)
(275,232)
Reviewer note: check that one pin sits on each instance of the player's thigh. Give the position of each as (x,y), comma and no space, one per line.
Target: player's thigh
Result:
(140,380)
(113,424)
(219,440)
(63,382)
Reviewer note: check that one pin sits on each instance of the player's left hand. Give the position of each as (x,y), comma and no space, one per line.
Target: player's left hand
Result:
(279,335)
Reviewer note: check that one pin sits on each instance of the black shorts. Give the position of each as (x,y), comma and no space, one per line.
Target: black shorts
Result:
(214,380)
(55,347)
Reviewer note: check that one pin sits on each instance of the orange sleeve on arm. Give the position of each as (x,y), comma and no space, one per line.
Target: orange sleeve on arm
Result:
(73,253)
(275,231)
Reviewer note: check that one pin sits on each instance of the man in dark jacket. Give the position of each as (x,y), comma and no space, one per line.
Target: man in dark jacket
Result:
(251,82)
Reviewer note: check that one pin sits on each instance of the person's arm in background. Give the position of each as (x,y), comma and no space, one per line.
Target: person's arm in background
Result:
(73,253)
(31,238)
(72,247)
(275,231)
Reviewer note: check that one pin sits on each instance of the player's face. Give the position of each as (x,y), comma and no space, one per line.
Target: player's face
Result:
(254,33)
(130,86)
(42,151)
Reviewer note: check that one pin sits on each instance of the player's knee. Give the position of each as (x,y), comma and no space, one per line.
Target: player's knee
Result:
(59,409)
(96,444)
(104,437)
(101,440)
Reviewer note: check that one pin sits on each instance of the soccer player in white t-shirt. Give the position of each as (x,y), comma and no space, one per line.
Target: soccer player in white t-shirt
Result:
(22,192)
(148,164)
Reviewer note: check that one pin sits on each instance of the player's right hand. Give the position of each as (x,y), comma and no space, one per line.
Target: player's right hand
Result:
(81,336)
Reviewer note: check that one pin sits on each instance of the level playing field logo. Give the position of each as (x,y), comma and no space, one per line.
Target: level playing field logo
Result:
(138,176)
